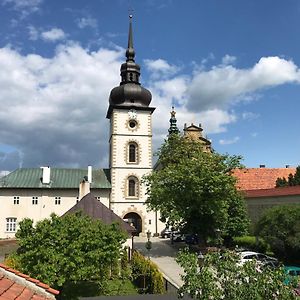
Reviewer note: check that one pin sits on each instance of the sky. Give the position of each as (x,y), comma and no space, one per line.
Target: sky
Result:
(231,66)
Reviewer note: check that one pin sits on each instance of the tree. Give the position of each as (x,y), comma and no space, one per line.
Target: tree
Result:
(194,190)
(68,249)
(280,227)
(291,181)
(220,276)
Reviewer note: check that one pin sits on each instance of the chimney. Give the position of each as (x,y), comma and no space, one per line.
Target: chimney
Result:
(46,175)
(90,174)
(84,188)
(262,166)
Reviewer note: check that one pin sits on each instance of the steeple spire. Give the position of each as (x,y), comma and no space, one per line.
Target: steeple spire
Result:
(173,126)
(130,71)
(130,92)
(130,53)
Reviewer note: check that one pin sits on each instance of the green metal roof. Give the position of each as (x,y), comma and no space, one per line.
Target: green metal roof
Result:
(59,178)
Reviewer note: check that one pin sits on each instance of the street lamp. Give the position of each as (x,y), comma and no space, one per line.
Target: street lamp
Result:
(148,243)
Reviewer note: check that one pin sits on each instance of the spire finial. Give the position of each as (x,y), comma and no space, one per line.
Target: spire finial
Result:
(173,126)
(130,53)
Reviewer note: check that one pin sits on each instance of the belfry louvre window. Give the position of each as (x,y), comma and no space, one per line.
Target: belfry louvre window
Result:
(132,152)
(11,224)
(132,187)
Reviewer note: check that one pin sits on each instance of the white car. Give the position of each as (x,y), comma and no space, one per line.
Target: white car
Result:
(251,255)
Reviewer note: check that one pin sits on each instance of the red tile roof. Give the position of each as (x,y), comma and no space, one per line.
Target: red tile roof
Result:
(274,192)
(260,178)
(17,286)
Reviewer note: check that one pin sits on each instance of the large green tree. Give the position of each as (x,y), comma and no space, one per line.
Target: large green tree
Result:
(220,276)
(280,227)
(69,249)
(195,190)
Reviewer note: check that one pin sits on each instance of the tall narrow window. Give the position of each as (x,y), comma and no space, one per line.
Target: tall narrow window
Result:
(132,152)
(16,200)
(132,186)
(11,224)
(35,200)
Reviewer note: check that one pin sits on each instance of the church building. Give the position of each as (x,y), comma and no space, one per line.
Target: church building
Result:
(37,192)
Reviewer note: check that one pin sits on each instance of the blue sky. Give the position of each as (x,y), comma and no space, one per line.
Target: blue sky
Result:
(232,66)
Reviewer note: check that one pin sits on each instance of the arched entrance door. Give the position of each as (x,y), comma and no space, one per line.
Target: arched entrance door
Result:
(134,219)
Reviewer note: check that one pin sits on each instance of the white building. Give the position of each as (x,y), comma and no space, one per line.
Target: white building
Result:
(38,192)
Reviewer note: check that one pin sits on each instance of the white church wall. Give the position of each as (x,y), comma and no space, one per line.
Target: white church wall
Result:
(48,201)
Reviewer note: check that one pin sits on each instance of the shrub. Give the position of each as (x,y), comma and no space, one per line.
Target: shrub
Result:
(252,243)
(280,227)
(146,274)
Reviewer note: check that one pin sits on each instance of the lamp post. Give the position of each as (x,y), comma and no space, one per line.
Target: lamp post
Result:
(148,243)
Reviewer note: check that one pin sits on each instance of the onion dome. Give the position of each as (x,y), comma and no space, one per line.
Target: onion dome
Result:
(130,92)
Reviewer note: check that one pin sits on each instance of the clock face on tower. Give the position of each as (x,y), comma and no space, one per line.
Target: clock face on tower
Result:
(132,114)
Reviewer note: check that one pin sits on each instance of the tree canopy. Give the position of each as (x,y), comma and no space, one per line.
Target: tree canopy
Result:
(66,249)
(280,227)
(194,190)
(291,181)
(221,276)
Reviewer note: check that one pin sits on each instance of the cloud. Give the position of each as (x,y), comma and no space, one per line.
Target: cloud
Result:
(224,85)
(26,7)
(160,67)
(228,60)
(249,115)
(87,22)
(56,107)
(53,35)
(33,33)
(215,120)
(229,141)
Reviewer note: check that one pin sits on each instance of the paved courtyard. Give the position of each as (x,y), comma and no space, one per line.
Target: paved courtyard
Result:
(163,254)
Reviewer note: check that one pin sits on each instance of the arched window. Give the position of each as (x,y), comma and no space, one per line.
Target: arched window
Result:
(132,187)
(132,152)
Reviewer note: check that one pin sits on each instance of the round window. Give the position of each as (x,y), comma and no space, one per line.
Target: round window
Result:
(132,124)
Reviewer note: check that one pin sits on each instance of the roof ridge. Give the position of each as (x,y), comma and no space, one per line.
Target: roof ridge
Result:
(30,282)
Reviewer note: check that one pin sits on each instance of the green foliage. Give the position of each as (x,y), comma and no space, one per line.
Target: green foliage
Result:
(281,182)
(252,243)
(146,274)
(109,287)
(125,266)
(220,276)
(280,227)
(73,248)
(12,261)
(291,181)
(194,190)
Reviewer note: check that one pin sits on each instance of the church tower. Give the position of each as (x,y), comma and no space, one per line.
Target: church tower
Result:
(130,142)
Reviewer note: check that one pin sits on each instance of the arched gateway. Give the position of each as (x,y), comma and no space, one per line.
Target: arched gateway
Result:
(135,220)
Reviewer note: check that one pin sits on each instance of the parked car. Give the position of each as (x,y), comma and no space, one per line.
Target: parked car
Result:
(292,272)
(192,239)
(166,233)
(177,236)
(262,258)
